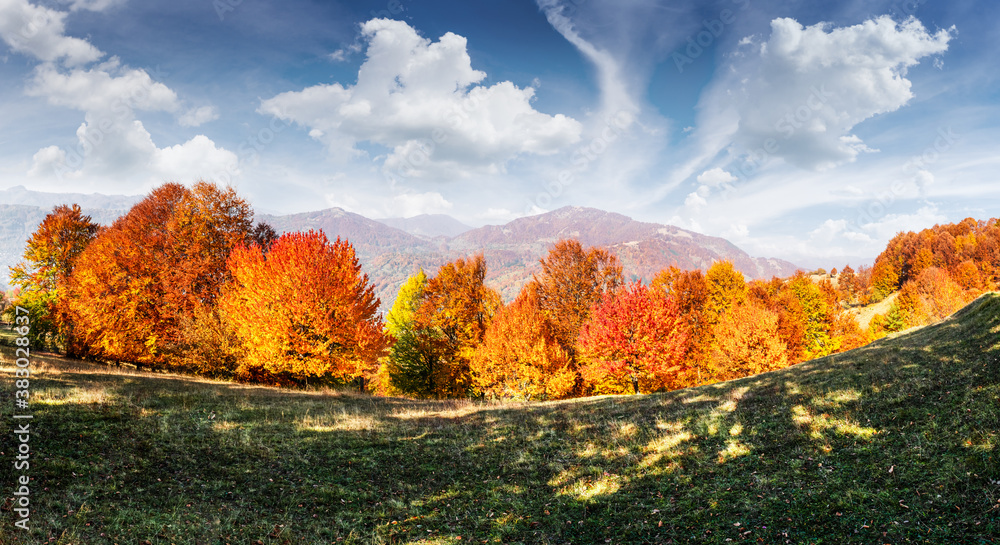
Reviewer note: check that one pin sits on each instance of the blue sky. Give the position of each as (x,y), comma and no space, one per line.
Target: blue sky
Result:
(811,131)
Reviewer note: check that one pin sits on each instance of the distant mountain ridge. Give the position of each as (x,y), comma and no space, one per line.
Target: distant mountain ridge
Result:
(20,195)
(512,250)
(393,249)
(18,222)
(428,225)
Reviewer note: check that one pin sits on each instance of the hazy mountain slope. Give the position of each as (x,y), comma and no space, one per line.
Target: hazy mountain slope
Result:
(428,225)
(45,200)
(18,222)
(389,254)
(513,250)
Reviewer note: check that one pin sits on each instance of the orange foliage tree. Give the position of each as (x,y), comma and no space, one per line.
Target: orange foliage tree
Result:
(931,296)
(848,285)
(48,261)
(690,291)
(519,356)
(885,278)
(573,280)
(304,310)
(635,340)
(455,311)
(747,343)
(152,270)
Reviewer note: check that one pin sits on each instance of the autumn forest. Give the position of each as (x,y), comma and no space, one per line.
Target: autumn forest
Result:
(187,282)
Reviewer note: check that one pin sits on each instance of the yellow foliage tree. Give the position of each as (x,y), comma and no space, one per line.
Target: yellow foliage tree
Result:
(520,357)
(304,310)
(747,343)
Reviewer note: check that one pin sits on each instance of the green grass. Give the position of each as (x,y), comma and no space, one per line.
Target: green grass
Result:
(892,443)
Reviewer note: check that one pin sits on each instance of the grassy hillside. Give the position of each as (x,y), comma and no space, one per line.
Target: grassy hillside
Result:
(895,442)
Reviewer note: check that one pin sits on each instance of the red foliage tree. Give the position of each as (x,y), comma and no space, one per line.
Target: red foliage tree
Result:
(634,340)
(690,291)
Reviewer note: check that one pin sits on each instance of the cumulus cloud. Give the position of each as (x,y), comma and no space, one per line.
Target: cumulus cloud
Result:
(112,141)
(737,231)
(715,177)
(198,116)
(798,94)
(46,159)
(107,86)
(422,100)
(697,199)
(39,32)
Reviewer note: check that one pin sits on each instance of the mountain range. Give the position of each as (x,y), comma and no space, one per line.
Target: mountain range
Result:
(428,225)
(393,249)
(513,250)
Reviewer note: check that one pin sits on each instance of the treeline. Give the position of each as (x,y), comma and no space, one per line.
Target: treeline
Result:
(186,281)
(577,328)
(936,272)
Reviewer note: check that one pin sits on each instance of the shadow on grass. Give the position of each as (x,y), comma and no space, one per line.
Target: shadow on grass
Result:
(893,442)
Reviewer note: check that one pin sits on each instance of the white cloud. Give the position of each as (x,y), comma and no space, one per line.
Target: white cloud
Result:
(112,142)
(46,159)
(923,178)
(715,177)
(615,94)
(408,205)
(198,116)
(829,230)
(799,94)
(421,100)
(197,158)
(40,32)
(891,224)
(737,231)
(106,87)
(499,214)
(695,201)
(342,54)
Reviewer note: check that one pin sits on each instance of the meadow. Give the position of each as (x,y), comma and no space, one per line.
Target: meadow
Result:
(894,442)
